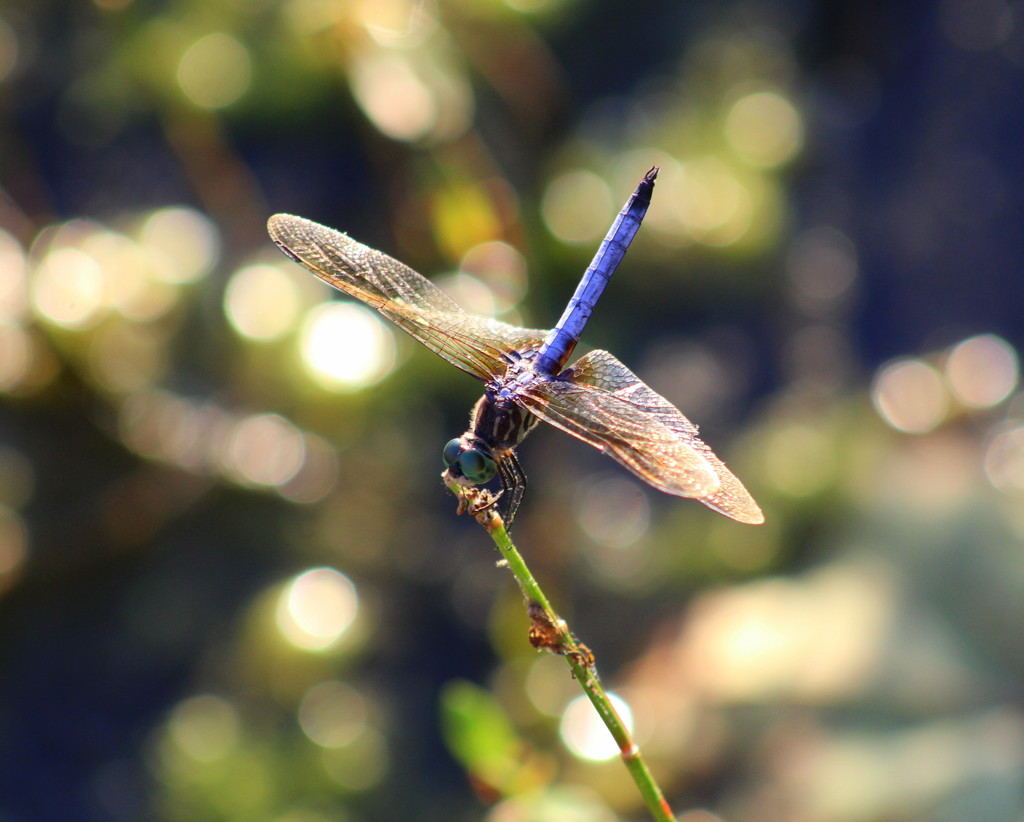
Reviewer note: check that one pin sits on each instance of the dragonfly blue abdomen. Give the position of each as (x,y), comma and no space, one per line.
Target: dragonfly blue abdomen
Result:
(562,339)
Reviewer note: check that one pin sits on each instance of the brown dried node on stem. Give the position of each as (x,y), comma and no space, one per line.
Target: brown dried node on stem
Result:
(546,634)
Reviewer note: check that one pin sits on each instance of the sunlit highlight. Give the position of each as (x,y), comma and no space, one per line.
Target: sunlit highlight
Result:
(215,71)
(393,95)
(911,396)
(345,347)
(188,240)
(982,371)
(577,207)
(316,477)
(316,609)
(463,215)
(164,426)
(469,292)
(333,714)
(261,302)
(69,289)
(764,128)
(188,432)
(585,734)
(137,276)
(260,450)
(1004,460)
(264,449)
(205,727)
(817,637)
(396,23)
(501,268)
(713,204)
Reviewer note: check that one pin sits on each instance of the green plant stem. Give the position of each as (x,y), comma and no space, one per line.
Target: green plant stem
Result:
(577,656)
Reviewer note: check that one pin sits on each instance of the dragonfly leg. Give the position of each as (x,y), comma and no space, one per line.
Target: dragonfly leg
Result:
(513,486)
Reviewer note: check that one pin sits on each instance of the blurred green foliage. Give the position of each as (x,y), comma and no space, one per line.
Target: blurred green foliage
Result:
(232,585)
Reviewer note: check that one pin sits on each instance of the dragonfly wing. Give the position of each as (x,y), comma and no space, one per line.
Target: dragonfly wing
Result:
(603,403)
(477,345)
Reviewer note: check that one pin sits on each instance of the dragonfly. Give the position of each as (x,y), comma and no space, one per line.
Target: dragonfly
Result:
(597,399)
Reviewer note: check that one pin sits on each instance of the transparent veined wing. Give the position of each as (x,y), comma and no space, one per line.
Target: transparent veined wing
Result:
(603,403)
(477,345)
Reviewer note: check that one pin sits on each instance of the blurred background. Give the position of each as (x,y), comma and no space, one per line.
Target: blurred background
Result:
(233,586)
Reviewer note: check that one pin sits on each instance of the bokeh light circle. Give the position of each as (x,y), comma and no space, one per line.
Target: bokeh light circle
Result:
(316,608)
(577,206)
(585,734)
(764,128)
(264,449)
(346,347)
(261,302)
(333,714)
(215,71)
(205,727)
(982,371)
(69,289)
(911,396)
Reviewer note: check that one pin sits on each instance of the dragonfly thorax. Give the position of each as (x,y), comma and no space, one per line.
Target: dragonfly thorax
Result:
(499,422)
(497,426)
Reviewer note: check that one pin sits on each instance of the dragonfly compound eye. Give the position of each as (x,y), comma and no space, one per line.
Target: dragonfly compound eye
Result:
(477,466)
(451,452)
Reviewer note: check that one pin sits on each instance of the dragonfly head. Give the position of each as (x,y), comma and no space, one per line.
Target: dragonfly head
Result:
(467,461)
